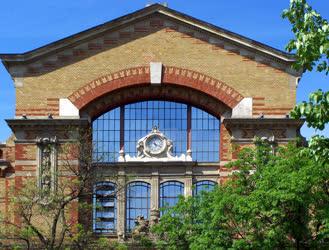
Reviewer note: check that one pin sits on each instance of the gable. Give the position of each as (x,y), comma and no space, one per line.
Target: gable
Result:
(155,37)
(178,21)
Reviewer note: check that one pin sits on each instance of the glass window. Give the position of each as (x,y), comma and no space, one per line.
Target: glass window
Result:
(167,116)
(169,193)
(138,199)
(170,117)
(104,207)
(205,136)
(106,136)
(203,186)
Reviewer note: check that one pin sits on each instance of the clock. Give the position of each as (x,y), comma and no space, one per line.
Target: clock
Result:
(155,144)
(154,147)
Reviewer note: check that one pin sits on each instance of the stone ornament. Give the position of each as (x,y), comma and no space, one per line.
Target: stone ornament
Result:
(155,146)
(141,228)
(47,163)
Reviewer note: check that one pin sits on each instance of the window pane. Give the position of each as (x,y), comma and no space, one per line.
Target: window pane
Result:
(104,207)
(205,136)
(203,186)
(106,136)
(167,116)
(169,193)
(138,197)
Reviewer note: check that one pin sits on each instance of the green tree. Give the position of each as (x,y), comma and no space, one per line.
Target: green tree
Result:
(311,45)
(282,204)
(41,218)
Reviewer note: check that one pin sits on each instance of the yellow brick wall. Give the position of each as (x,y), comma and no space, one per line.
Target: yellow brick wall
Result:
(172,49)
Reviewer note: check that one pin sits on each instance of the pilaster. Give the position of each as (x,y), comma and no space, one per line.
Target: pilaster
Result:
(155,189)
(121,204)
(188,182)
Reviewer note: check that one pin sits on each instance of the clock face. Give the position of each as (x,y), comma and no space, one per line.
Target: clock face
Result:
(155,144)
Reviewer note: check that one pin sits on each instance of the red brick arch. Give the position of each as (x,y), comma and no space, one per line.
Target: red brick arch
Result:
(139,77)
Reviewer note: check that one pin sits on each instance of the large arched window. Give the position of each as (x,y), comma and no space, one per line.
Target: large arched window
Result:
(188,127)
(169,193)
(106,136)
(203,186)
(169,117)
(205,136)
(104,207)
(138,202)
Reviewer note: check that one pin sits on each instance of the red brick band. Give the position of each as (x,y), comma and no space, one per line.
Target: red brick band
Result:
(140,76)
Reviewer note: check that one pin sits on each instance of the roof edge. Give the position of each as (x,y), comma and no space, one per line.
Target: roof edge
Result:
(155,8)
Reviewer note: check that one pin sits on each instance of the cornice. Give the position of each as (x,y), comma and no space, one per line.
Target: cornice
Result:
(262,122)
(44,123)
(216,32)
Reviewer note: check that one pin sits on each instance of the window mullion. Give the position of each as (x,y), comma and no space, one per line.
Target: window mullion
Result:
(122,127)
(189,125)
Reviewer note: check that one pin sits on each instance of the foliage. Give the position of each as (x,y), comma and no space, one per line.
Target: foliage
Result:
(316,110)
(283,204)
(311,32)
(42,218)
(311,44)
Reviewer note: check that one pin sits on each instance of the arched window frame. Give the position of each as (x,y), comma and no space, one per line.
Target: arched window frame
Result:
(198,131)
(98,199)
(169,193)
(144,199)
(203,186)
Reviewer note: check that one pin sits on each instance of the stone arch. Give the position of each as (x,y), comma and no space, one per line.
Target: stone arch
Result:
(133,84)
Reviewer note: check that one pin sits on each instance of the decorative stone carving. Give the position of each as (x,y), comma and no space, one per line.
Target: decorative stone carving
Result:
(263,133)
(155,147)
(121,236)
(47,165)
(141,227)
(250,133)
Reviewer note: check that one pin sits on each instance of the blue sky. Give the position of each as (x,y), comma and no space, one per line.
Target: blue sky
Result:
(26,25)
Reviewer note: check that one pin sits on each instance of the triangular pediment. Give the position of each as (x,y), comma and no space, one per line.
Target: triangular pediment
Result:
(134,26)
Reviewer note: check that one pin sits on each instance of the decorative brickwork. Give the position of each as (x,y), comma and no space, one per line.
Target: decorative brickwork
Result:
(148,92)
(154,39)
(172,76)
(224,144)
(52,108)
(259,108)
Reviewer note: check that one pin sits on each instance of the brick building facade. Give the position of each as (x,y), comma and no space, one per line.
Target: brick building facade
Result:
(154,54)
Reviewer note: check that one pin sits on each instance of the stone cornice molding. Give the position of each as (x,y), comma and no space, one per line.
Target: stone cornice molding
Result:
(42,123)
(262,123)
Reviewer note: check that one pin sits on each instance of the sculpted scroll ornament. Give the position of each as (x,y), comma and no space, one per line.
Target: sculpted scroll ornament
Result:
(155,147)
(47,163)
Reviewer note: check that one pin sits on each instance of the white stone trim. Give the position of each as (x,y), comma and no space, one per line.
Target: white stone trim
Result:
(67,108)
(243,109)
(18,82)
(155,73)
(26,162)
